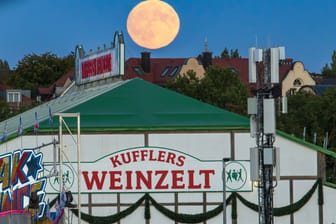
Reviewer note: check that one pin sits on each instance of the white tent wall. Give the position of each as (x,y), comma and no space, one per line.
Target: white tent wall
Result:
(296,159)
(309,213)
(242,144)
(329,215)
(298,171)
(281,197)
(205,146)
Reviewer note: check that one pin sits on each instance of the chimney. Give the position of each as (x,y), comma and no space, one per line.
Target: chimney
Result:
(207,59)
(145,62)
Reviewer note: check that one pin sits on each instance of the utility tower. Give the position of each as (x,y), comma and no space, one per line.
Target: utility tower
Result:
(264,72)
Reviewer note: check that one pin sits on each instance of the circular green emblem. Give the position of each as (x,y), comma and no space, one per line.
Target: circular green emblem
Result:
(235,175)
(68,178)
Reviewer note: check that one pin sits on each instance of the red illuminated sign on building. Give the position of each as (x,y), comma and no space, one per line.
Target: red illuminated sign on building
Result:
(97,66)
(103,64)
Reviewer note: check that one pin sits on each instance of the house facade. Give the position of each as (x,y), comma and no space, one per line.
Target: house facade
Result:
(16,98)
(295,79)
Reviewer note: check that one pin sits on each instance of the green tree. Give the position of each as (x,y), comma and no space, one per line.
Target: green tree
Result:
(317,114)
(187,84)
(328,119)
(233,54)
(304,113)
(4,110)
(35,71)
(329,71)
(4,65)
(4,69)
(225,53)
(220,87)
(328,115)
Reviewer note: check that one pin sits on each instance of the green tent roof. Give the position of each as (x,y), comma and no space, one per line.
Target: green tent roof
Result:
(135,105)
(140,105)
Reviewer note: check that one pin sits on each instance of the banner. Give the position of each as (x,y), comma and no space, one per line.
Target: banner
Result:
(151,169)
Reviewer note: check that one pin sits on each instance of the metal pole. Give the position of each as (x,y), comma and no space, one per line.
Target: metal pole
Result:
(61,115)
(54,158)
(78,168)
(60,137)
(224,189)
(265,141)
(224,194)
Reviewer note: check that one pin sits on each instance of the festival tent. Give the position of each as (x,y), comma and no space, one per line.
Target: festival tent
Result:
(151,154)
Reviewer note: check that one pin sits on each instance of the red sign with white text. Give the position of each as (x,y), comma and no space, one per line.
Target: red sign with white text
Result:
(96,66)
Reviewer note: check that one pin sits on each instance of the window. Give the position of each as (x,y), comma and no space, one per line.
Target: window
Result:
(165,71)
(291,92)
(176,68)
(13,97)
(297,82)
(138,70)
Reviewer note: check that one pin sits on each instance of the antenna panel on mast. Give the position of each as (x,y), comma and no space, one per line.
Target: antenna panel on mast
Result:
(252,66)
(269,116)
(258,55)
(275,56)
(282,53)
(254,164)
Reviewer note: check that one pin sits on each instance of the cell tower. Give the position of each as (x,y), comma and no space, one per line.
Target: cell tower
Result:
(264,72)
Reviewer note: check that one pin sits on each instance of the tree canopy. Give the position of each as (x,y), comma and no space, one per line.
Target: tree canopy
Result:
(329,71)
(4,69)
(315,114)
(4,65)
(232,54)
(315,117)
(220,87)
(303,113)
(4,110)
(35,71)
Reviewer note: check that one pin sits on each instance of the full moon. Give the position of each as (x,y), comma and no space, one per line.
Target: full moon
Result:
(153,24)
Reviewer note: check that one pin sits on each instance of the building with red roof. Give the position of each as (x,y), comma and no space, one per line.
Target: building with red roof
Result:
(16,98)
(292,75)
(57,88)
(155,70)
(159,70)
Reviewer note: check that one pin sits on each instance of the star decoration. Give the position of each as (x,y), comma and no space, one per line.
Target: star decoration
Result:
(34,165)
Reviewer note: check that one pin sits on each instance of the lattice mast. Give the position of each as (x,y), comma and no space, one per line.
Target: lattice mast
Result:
(264,72)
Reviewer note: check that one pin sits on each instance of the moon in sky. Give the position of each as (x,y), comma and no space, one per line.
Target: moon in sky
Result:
(153,24)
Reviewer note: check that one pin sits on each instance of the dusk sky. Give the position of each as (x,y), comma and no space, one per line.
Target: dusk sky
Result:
(306,28)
